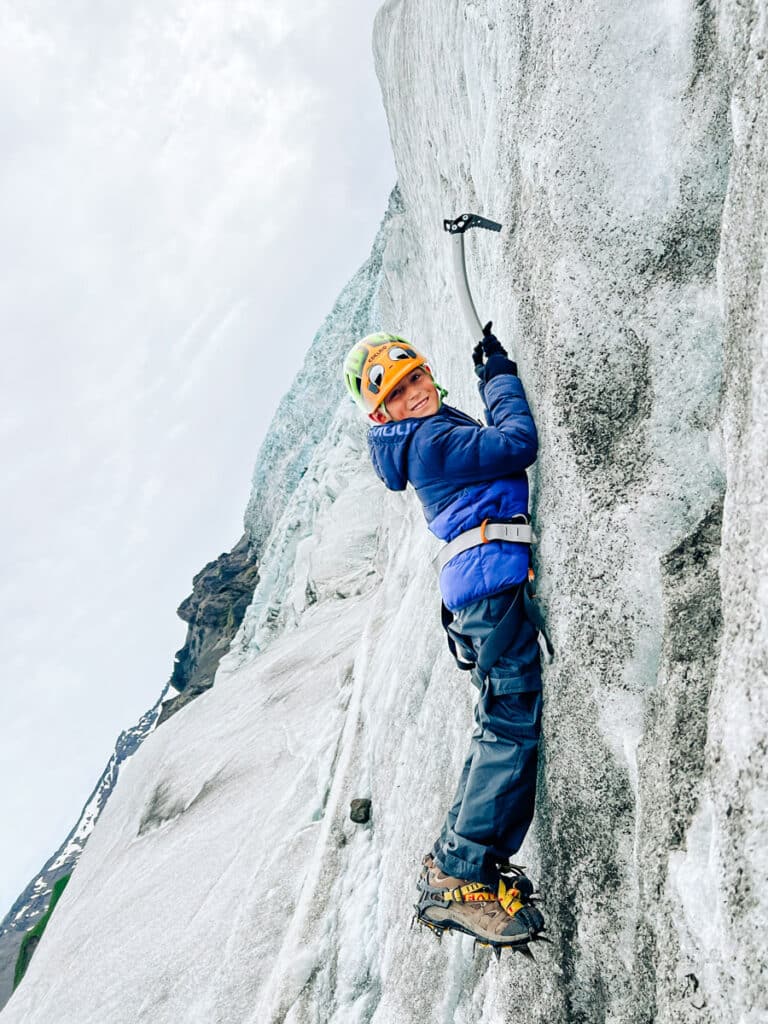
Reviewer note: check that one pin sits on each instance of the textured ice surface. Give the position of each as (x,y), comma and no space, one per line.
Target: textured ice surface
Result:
(624,148)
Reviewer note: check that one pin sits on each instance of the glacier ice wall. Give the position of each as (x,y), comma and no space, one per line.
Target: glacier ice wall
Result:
(624,148)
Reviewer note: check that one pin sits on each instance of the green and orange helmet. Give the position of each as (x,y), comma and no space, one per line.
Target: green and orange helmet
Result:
(376,365)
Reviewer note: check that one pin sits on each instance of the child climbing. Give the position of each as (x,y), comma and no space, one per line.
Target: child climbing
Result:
(472,483)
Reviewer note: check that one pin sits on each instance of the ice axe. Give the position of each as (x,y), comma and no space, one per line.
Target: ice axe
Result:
(457,228)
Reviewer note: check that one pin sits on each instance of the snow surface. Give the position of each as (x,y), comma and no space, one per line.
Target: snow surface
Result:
(623,146)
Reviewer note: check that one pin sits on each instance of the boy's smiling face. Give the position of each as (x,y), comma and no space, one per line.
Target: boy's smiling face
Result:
(415,396)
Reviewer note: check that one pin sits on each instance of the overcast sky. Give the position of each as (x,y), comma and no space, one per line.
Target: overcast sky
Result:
(185,186)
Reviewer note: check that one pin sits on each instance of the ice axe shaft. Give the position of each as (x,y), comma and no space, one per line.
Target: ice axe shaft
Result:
(457,228)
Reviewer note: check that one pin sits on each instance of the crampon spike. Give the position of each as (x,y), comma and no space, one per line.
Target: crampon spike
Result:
(423,923)
(498,948)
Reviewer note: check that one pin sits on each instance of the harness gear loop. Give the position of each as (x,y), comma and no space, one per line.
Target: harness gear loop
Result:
(483,538)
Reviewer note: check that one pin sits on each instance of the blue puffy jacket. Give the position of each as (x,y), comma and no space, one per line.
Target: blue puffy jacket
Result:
(464,473)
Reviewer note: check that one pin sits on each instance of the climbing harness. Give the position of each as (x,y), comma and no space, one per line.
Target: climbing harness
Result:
(499,639)
(502,635)
(515,532)
(536,617)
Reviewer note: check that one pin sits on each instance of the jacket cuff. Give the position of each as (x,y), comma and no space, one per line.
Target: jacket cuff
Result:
(498,365)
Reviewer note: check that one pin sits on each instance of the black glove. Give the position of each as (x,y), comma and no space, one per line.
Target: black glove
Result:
(496,356)
(490,343)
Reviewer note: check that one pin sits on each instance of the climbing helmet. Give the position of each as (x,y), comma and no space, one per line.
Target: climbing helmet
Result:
(376,365)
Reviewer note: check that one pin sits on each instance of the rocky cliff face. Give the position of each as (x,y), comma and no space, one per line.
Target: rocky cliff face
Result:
(221,592)
(624,149)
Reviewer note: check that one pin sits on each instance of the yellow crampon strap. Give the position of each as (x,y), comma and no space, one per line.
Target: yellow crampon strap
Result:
(473,892)
(508,897)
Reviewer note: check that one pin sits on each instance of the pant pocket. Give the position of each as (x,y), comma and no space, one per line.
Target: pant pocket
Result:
(515,716)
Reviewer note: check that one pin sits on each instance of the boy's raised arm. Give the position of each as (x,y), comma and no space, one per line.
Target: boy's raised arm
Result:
(474,453)
(509,443)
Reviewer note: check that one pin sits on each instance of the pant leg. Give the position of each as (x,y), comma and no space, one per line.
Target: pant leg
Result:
(455,808)
(494,803)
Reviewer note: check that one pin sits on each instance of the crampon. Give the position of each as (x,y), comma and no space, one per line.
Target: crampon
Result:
(474,909)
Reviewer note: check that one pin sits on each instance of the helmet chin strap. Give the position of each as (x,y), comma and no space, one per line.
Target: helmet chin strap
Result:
(441,392)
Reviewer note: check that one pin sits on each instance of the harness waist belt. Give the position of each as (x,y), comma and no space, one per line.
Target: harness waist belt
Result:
(517,533)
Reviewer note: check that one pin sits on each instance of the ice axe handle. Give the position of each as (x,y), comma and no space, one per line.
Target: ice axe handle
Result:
(456,229)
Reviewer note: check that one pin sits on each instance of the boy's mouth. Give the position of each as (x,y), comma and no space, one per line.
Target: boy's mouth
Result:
(420,405)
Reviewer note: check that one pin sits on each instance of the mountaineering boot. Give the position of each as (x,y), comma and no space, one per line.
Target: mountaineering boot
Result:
(497,917)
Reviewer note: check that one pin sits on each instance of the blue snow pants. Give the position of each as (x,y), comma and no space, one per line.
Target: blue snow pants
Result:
(494,801)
